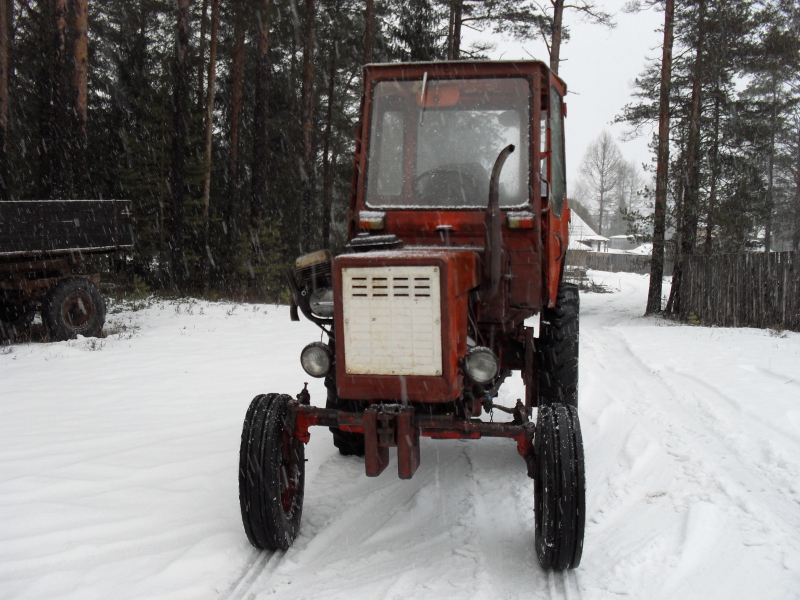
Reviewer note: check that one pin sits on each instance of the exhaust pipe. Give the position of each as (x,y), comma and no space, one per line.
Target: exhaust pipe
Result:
(494,234)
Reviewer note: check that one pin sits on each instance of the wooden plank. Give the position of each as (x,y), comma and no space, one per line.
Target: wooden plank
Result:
(37,227)
(743,290)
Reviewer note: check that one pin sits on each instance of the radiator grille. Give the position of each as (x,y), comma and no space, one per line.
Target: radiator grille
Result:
(392,321)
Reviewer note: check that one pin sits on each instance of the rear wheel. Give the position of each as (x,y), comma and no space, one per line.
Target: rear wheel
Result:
(559,488)
(73,307)
(271,474)
(349,444)
(557,349)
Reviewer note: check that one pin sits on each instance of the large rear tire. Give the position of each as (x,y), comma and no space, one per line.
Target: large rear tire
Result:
(73,307)
(559,488)
(349,444)
(271,474)
(557,349)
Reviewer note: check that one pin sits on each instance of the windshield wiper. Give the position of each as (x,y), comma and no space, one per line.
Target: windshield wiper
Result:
(422,97)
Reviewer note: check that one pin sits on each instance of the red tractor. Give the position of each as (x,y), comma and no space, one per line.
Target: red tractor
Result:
(457,235)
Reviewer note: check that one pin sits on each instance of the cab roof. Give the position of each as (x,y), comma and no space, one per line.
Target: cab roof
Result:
(489,67)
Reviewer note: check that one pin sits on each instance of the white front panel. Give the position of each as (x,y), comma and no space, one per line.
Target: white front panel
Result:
(392,321)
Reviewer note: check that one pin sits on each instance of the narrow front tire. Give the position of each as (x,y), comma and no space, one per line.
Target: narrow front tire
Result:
(559,488)
(271,474)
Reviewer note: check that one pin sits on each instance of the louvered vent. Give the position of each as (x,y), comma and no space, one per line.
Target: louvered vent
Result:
(392,321)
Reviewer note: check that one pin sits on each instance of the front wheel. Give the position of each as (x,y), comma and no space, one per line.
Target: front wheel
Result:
(271,474)
(559,487)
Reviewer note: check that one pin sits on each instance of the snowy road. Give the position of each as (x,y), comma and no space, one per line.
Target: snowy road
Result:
(118,463)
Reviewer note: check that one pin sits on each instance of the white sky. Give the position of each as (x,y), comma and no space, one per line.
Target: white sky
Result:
(600,67)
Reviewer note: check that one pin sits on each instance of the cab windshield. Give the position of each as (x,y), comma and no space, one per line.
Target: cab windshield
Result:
(433,142)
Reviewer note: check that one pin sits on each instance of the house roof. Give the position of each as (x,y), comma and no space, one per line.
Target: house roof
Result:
(579,230)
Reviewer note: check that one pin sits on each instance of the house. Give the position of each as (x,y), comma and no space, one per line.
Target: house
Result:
(623,242)
(583,237)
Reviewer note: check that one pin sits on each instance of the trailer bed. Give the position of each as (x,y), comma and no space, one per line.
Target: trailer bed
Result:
(30,228)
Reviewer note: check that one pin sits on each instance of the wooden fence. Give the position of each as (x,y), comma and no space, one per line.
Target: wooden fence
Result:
(743,290)
(605,261)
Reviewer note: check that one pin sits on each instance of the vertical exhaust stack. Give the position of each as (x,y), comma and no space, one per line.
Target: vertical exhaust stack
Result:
(494,234)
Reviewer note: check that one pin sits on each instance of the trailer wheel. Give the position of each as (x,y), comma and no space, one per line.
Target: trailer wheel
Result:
(73,307)
(349,444)
(557,349)
(559,488)
(271,474)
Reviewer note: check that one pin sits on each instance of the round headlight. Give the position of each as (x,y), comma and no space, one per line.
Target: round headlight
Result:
(481,365)
(316,359)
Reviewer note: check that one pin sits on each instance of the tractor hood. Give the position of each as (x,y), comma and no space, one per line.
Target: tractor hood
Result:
(401,323)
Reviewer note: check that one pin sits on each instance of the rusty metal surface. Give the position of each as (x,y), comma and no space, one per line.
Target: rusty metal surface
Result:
(393,425)
(376,456)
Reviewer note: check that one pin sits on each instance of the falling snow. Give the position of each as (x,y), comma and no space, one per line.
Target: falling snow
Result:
(119,469)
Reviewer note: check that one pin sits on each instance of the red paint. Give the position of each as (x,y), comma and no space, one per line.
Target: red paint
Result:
(557,232)
(533,256)
(458,274)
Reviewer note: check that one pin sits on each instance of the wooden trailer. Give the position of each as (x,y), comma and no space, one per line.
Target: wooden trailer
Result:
(43,244)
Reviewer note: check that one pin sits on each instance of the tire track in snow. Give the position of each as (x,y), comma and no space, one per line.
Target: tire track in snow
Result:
(562,585)
(700,414)
(709,472)
(378,533)
(261,563)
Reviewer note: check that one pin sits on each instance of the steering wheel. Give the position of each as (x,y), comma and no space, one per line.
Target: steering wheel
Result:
(448,186)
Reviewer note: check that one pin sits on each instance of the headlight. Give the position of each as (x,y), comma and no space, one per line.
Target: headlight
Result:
(481,365)
(316,359)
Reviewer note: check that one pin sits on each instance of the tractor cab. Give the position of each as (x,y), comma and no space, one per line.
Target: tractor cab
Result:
(457,235)
(429,137)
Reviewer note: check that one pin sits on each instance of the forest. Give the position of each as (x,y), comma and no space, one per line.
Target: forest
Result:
(230,123)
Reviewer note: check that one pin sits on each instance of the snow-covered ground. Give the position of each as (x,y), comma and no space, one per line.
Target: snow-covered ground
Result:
(118,469)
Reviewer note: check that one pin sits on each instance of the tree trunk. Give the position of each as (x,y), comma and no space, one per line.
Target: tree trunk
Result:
(237,94)
(662,168)
(307,117)
(555,42)
(61,105)
(602,208)
(208,261)
(369,26)
(712,190)
(326,168)
(258,196)
(458,10)
(689,214)
(180,97)
(796,236)
(771,168)
(80,78)
(4,56)
(450,26)
(202,62)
